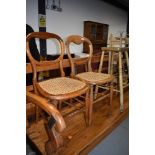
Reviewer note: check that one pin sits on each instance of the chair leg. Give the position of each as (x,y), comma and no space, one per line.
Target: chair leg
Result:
(96,91)
(87,108)
(109,63)
(37,109)
(37,113)
(59,105)
(90,105)
(55,140)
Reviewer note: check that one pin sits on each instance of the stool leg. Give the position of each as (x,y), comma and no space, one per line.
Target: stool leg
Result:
(96,91)
(109,63)
(110,98)
(127,60)
(120,82)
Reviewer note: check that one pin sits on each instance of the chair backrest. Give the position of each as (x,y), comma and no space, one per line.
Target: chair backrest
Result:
(118,41)
(78,40)
(34,62)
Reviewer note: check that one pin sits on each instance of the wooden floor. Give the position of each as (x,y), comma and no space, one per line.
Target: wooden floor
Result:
(78,138)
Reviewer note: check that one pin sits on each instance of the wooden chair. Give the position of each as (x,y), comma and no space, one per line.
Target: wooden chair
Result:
(57,89)
(89,77)
(45,134)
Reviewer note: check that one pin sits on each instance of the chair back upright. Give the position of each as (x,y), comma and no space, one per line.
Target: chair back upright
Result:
(35,63)
(78,40)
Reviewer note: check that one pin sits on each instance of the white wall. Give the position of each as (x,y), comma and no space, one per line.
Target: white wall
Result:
(70,20)
(32,14)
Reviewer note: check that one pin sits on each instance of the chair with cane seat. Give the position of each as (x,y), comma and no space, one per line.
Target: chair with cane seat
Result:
(89,77)
(57,89)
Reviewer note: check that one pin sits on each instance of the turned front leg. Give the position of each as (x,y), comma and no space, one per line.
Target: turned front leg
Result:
(90,105)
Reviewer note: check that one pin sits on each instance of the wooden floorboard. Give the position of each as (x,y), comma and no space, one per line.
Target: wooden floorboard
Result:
(79,139)
(85,138)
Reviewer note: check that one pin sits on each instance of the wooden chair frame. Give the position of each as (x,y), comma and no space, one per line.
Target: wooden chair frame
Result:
(35,63)
(76,39)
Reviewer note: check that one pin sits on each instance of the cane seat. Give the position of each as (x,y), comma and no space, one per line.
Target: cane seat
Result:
(94,78)
(62,85)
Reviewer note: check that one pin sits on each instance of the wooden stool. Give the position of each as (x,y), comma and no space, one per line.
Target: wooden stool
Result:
(118,51)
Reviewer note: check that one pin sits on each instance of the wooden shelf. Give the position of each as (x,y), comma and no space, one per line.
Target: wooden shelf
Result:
(97,33)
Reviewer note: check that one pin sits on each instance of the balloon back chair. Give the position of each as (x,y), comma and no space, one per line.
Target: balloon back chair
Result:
(57,89)
(89,77)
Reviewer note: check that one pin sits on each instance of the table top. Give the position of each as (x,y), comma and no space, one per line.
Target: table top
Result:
(115,49)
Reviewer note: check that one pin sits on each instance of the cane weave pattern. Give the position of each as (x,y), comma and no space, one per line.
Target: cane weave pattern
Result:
(61,85)
(94,77)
